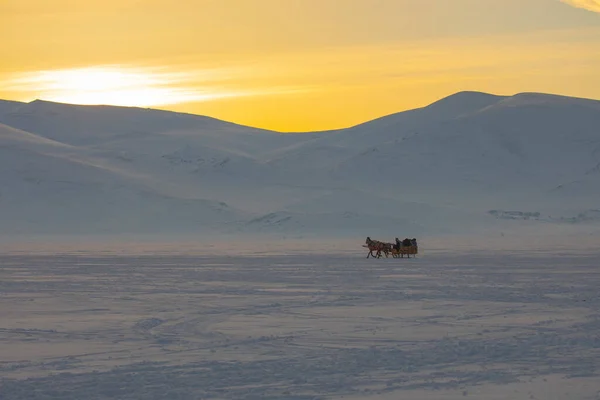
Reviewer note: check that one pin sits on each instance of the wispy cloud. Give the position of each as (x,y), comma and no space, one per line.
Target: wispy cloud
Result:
(127,86)
(591,5)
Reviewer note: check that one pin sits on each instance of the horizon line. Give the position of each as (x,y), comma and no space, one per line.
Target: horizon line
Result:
(292,132)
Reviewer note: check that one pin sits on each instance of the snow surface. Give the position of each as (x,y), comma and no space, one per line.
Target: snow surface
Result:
(297,320)
(462,165)
(146,254)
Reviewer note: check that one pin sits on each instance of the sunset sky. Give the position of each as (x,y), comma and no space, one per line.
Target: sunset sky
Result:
(294,65)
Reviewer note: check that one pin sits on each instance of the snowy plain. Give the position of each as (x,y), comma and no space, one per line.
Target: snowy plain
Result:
(299,320)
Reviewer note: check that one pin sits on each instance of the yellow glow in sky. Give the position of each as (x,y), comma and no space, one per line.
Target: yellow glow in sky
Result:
(592,5)
(117,85)
(294,65)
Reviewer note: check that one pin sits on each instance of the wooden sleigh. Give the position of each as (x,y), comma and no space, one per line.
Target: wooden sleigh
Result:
(405,250)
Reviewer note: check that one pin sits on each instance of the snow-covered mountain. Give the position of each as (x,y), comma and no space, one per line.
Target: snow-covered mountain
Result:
(469,160)
(51,187)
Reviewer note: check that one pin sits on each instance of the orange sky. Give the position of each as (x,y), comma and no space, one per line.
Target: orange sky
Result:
(294,65)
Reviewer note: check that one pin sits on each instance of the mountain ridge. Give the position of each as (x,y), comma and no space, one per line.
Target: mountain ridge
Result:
(439,168)
(469,95)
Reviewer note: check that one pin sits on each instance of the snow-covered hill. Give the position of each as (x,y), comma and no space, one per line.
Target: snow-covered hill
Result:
(438,169)
(7,106)
(513,150)
(51,187)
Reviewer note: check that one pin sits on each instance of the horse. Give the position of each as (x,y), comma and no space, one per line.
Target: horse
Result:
(379,247)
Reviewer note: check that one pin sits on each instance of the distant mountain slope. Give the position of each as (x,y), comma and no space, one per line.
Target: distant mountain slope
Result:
(392,128)
(10,136)
(7,106)
(529,141)
(50,187)
(440,168)
(93,125)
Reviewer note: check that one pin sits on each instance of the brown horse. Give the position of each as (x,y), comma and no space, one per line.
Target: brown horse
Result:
(378,247)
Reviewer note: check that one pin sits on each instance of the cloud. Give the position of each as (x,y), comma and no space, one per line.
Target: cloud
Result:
(128,86)
(591,5)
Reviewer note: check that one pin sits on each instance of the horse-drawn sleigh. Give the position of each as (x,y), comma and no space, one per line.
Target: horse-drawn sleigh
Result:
(404,247)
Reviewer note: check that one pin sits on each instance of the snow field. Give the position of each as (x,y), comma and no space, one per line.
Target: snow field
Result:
(267,325)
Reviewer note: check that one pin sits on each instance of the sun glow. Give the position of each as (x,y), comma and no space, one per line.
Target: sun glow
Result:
(116,85)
